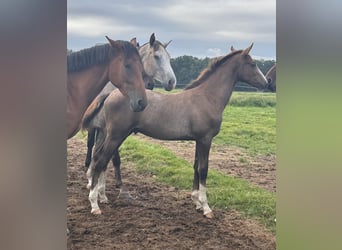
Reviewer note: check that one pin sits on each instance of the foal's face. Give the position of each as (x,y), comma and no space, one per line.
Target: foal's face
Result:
(250,73)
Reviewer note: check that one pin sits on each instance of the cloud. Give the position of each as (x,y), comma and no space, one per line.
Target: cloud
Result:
(95,26)
(198,25)
(214,52)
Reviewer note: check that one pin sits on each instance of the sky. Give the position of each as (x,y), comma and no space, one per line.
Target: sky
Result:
(200,28)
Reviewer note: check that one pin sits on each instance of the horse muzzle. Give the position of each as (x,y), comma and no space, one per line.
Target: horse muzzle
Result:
(138,105)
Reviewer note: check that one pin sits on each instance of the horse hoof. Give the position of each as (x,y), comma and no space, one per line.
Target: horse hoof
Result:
(209,215)
(199,210)
(88,186)
(96,212)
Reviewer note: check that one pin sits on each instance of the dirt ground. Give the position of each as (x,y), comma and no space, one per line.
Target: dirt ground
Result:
(159,216)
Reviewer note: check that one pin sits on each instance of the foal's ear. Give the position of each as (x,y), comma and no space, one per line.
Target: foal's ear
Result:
(246,51)
(152,39)
(114,44)
(166,44)
(134,42)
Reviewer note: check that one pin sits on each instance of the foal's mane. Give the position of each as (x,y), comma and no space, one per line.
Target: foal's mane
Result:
(210,69)
(96,55)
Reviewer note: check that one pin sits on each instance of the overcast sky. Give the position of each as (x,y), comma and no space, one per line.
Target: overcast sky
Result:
(196,27)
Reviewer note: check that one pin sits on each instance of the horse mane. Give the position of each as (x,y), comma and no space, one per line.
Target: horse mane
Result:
(215,63)
(98,54)
(271,69)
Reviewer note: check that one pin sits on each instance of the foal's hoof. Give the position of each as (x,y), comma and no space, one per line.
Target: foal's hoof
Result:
(96,212)
(88,186)
(209,215)
(199,210)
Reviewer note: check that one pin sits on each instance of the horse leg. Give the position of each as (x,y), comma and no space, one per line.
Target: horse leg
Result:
(203,149)
(99,138)
(98,165)
(102,187)
(124,194)
(195,187)
(90,144)
(116,160)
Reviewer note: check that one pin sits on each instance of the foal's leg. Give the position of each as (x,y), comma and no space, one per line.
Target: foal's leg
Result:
(195,187)
(99,138)
(90,144)
(98,165)
(117,163)
(203,149)
(102,187)
(116,160)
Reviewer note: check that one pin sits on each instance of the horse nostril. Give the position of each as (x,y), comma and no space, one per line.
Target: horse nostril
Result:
(269,80)
(150,86)
(141,104)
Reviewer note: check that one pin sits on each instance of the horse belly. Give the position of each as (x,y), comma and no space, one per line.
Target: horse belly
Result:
(166,130)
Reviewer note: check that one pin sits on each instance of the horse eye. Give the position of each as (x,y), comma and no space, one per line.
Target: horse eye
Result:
(127,66)
(156,57)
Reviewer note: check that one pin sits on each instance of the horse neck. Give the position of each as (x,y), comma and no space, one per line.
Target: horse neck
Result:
(143,51)
(86,85)
(218,87)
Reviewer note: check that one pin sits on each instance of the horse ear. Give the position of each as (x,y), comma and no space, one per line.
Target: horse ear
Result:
(134,42)
(246,51)
(152,39)
(232,48)
(114,44)
(166,44)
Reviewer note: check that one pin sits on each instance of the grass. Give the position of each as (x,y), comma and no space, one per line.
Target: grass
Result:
(250,128)
(223,191)
(252,99)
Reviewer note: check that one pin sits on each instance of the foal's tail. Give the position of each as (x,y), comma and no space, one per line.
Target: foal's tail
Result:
(92,110)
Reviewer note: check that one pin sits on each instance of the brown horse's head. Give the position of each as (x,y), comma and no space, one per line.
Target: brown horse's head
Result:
(249,72)
(126,73)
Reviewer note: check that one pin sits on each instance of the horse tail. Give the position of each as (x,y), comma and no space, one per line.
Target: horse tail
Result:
(93,110)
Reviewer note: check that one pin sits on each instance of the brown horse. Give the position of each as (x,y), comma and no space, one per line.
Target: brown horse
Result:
(157,66)
(90,69)
(193,114)
(271,78)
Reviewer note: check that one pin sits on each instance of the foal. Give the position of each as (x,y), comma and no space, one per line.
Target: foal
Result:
(193,114)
